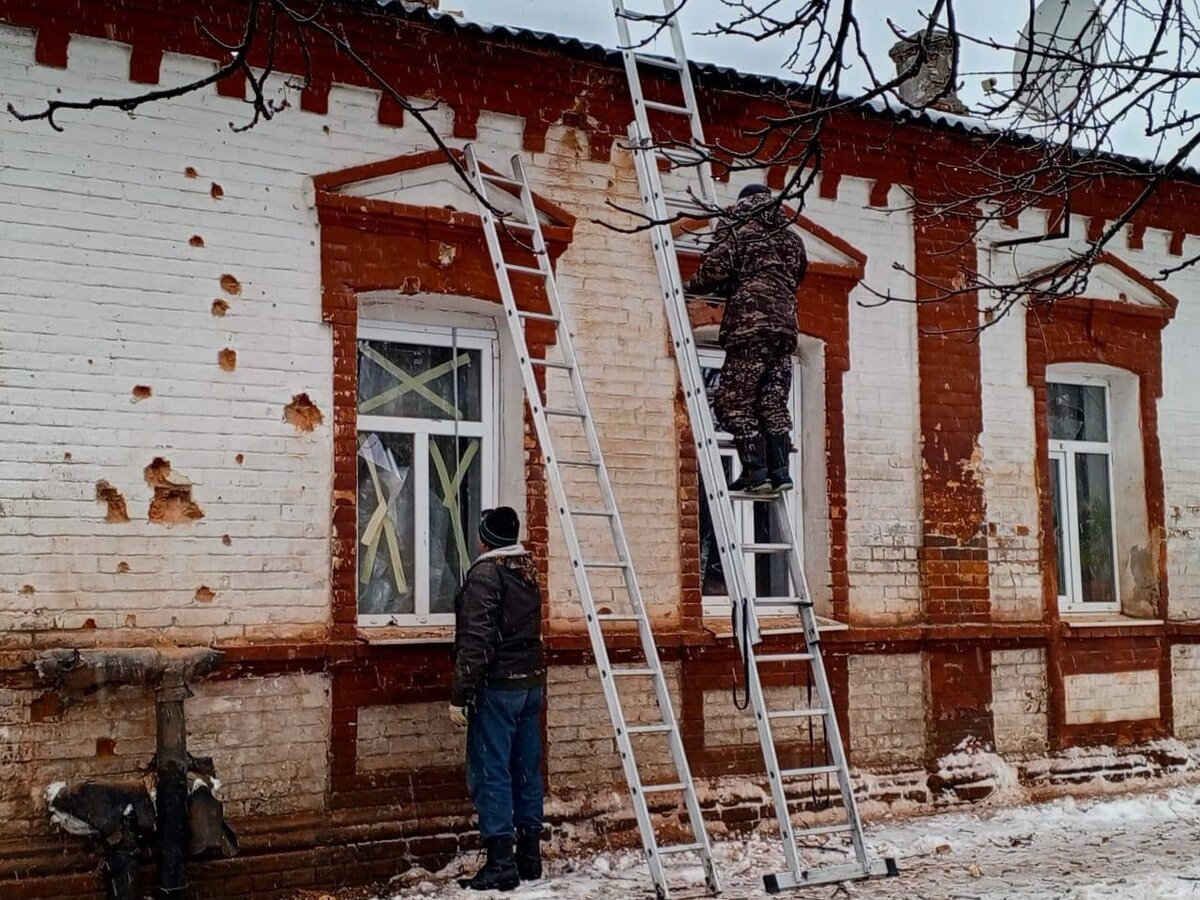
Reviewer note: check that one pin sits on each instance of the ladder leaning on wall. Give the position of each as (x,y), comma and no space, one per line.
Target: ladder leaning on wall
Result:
(522,237)
(701,200)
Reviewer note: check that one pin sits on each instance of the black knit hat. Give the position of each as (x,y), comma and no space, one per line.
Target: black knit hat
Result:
(752,189)
(499,527)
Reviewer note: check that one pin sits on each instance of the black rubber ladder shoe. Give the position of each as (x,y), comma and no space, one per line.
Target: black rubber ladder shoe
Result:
(499,873)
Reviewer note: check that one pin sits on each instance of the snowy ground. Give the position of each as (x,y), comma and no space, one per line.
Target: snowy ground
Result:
(1132,847)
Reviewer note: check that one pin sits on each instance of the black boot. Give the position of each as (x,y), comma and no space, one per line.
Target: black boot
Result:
(754,478)
(779,451)
(499,873)
(529,853)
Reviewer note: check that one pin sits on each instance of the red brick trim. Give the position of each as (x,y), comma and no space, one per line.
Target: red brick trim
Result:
(1129,337)
(369,245)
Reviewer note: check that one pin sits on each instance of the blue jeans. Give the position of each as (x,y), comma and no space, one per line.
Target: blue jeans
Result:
(504,760)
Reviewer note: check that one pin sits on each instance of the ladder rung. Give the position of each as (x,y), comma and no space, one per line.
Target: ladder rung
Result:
(539,317)
(502,180)
(783,657)
(766,548)
(682,157)
(796,713)
(661,61)
(524,270)
(768,632)
(513,224)
(746,497)
(604,565)
(594,513)
(634,15)
(618,617)
(649,729)
(781,601)
(844,828)
(680,848)
(549,364)
(810,772)
(632,671)
(663,788)
(570,413)
(579,463)
(668,108)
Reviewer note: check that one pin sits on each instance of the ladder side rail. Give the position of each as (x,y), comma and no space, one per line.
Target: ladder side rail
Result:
(716,490)
(595,631)
(708,191)
(632,586)
(783,512)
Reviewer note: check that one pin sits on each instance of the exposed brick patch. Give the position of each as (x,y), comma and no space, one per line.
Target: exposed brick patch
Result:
(190,172)
(205,594)
(122,568)
(45,707)
(216,191)
(195,241)
(172,503)
(27,590)
(231,285)
(226,540)
(219,308)
(142,392)
(227,359)
(302,414)
(105,748)
(106,493)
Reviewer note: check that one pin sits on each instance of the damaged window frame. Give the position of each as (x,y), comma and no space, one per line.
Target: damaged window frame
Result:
(1063,456)
(422,430)
(717,605)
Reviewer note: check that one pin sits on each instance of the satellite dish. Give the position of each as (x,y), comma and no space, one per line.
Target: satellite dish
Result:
(1045,82)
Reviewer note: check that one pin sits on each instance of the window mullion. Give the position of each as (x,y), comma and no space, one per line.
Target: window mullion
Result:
(1072,523)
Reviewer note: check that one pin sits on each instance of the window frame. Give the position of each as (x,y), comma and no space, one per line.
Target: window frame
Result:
(714,605)
(1064,454)
(486,341)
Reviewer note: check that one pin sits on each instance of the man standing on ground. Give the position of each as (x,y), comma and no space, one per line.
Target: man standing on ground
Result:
(754,264)
(499,679)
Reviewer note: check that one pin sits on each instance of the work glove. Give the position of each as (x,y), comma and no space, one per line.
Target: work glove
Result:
(458,715)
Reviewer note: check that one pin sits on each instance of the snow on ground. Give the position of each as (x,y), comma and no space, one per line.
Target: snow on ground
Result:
(1132,847)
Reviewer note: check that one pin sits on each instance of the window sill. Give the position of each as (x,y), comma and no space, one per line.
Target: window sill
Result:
(1107,620)
(385,636)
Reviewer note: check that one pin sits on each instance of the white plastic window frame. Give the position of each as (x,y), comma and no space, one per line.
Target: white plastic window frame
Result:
(718,605)
(1063,455)
(422,429)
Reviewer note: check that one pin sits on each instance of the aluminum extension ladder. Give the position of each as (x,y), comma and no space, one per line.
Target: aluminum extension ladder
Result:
(528,239)
(701,201)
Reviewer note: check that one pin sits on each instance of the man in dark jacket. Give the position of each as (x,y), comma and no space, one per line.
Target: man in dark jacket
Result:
(499,683)
(754,264)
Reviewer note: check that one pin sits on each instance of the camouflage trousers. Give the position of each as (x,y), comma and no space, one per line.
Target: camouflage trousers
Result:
(752,395)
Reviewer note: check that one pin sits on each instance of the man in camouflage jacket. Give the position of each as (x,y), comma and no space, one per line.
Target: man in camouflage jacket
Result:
(754,265)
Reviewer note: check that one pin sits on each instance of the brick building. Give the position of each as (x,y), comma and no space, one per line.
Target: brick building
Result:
(223,352)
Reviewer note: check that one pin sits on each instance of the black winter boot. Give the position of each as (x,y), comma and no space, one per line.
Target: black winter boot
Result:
(754,478)
(499,873)
(529,853)
(779,450)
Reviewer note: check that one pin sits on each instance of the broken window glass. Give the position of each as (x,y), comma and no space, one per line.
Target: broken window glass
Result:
(1077,412)
(386,550)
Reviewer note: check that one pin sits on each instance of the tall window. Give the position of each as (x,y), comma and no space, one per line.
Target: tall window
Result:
(769,570)
(1081,484)
(426,467)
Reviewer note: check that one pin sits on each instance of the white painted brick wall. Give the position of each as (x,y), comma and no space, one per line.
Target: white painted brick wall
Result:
(581,752)
(887,710)
(408,736)
(1185,690)
(1111,697)
(1019,706)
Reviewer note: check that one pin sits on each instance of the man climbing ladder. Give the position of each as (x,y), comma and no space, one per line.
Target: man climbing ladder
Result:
(755,263)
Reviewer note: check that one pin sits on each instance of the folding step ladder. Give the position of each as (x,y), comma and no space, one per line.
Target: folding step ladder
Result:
(525,237)
(700,200)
